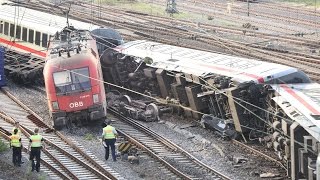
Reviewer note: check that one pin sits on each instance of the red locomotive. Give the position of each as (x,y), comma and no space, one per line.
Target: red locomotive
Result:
(73,79)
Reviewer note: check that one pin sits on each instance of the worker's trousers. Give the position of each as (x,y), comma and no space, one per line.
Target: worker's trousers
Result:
(35,153)
(110,144)
(16,156)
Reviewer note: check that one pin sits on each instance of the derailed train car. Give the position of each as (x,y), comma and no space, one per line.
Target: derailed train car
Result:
(234,96)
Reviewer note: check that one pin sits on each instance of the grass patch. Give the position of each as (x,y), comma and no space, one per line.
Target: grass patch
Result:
(159,10)
(306,2)
(3,146)
(88,137)
(42,176)
(149,8)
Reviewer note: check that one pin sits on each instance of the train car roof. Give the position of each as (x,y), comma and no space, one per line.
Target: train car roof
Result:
(203,64)
(40,21)
(302,103)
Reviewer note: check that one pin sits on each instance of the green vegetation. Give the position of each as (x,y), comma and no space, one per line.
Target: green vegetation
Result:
(3,146)
(159,10)
(148,8)
(29,173)
(306,2)
(42,176)
(88,137)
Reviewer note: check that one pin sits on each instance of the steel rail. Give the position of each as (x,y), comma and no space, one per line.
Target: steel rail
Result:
(162,139)
(169,166)
(259,153)
(37,120)
(242,49)
(4,133)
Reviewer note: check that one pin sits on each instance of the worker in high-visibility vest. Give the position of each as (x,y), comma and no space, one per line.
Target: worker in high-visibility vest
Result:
(109,136)
(16,126)
(36,143)
(15,143)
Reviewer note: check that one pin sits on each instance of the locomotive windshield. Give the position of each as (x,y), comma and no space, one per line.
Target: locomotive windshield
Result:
(75,80)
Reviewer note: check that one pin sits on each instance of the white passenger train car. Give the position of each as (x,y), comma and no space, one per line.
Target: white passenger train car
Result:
(275,103)
(204,64)
(26,30)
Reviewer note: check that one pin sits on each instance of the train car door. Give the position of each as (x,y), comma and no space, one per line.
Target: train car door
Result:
(2,77)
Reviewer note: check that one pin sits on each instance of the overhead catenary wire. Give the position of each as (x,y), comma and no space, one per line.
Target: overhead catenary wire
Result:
(164,101)
(189,108)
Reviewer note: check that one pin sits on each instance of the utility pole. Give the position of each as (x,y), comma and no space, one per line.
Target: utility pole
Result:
(248,6)
(315,12)
(171,7)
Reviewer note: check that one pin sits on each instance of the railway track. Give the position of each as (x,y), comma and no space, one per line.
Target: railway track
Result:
(168,23)
(62,158)
(271,12)
(259,153)
(254,50)
(163,34)
(174,158)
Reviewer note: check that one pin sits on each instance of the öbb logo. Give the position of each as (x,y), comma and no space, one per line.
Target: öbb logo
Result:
(76,104)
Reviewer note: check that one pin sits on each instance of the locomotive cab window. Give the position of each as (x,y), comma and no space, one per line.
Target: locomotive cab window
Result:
(31,35)
(24,34)
(6,28)
(75,80)
(38,35)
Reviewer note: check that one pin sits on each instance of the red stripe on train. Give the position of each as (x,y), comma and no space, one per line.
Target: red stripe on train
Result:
(25,48)
(302,101)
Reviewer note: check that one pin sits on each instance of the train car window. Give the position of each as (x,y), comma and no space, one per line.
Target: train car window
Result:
(72,81)
(12,27)
(80,79)
(18,32)
(6,28)
(62,78)
(24,34)
(44,40)
(31,35)
(1,26)
(38,35)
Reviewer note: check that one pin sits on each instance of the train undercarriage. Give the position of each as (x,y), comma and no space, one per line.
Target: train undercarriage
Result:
(61,119)
(249,111)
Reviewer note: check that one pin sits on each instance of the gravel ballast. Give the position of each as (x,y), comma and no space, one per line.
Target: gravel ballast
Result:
(203,144)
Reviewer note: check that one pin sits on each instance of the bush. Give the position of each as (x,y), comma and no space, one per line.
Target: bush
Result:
(3,146)
(88,137)
(210,18)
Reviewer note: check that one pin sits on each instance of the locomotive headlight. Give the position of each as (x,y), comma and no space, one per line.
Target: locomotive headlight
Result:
(55,105)
(95,98)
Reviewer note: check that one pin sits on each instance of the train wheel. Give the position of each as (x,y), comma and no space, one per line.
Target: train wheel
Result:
(126,99)
(68,123)
(153,111)
(57,127)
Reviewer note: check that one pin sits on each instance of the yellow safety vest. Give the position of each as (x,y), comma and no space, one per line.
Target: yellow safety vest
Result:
(15,140)
(108,132)
(36,140)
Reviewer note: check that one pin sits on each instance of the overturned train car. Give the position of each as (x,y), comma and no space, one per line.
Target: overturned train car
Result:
(236,97)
